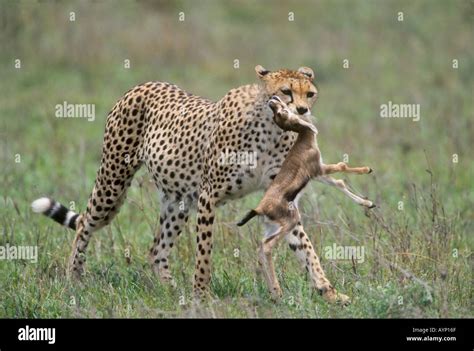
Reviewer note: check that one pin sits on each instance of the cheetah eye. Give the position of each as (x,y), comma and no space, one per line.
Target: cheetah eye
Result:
(310,94)
(286,91)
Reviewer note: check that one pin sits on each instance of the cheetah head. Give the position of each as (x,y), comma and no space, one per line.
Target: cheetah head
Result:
(294,88)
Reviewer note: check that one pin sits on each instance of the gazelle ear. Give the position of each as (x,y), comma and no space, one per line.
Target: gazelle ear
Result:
(308,72)
(309,126)
(297,124)
(261,71)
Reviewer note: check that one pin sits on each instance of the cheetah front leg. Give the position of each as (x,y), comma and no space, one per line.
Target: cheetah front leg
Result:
(301,245)
(205,221)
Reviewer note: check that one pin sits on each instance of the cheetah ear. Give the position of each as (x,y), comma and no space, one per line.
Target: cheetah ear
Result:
(261,71)
(308,72)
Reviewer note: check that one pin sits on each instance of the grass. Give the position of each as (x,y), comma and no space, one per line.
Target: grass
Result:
(418,260)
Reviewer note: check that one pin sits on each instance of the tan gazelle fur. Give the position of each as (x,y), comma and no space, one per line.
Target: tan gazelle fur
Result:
(279,204)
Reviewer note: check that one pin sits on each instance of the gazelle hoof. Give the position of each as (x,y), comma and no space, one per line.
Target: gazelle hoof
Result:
(343,300)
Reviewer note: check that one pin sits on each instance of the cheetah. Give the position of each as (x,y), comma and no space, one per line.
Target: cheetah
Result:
(183,140)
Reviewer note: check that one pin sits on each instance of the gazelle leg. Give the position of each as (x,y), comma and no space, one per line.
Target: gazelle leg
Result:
(343,167)
(340,184)
(266,261)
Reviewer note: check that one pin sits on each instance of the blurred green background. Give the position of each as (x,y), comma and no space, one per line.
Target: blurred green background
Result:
(82,61)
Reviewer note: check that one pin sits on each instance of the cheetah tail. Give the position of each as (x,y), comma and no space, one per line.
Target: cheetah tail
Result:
(248,217)
(55,211)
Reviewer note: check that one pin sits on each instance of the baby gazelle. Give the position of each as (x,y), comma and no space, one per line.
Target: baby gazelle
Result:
(279,204)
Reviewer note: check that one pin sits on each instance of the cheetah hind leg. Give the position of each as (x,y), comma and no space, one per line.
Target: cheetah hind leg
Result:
(75,269)
(172,221)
